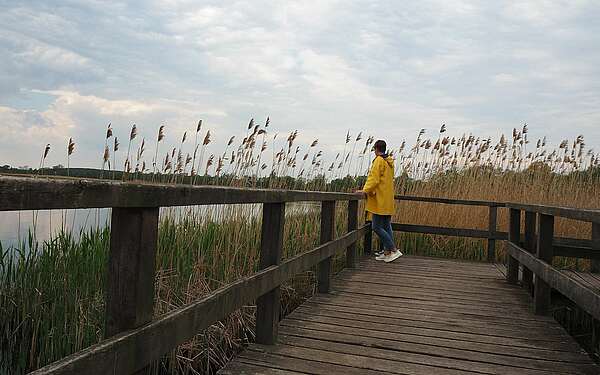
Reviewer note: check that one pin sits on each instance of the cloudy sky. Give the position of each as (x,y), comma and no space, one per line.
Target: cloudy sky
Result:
(387,68)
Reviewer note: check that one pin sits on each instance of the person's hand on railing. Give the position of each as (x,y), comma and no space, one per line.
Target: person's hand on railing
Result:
(362,193)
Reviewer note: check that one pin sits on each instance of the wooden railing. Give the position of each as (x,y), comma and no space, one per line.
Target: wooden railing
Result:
(133,339)
(568,247)
(534,249)
(535,254)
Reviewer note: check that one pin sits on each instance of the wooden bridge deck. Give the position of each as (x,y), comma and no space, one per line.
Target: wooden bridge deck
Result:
(418,316)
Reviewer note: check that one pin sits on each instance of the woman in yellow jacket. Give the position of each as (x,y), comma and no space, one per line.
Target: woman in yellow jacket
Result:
(379,190)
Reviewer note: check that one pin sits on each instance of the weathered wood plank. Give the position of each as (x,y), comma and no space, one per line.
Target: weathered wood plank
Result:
(530,245)
(494,363)
(492,226)
(542,291)
(327,234)
(131,268)
(271,244)
(379,349)
(579,293)
(457,348)
(595,267)
(355,364)
(368,240)
(351,252)
(255,368)
(514,235)
(302,363)
(566,212)
(442,231)
(422,327)
(540,338)
(130,351)
(27,193)
(531,349)
(462,202)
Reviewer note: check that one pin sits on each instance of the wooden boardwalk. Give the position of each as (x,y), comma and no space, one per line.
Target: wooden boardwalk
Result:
(418,316)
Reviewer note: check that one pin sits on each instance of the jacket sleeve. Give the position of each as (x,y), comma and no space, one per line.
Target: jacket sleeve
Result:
(373,178)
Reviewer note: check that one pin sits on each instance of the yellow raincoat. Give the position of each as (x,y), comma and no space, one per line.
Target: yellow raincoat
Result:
(380,187)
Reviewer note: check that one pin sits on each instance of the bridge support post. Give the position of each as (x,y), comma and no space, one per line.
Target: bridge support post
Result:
(491,242)
(541,296)
(268,305)
(595,246)
(327,233)
(351,254)
(514,236)
(131,269)
(530,245)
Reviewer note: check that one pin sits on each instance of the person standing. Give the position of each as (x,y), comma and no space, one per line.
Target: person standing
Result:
(379,190)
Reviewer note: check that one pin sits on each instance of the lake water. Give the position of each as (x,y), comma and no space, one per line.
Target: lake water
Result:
(15,225)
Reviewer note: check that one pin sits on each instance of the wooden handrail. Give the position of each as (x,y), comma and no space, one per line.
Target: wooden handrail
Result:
(592,216)
(136,341)
(449,201)
(28,193)
(130,351)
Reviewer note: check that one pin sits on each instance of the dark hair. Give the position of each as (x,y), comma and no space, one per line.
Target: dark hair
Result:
(380,146)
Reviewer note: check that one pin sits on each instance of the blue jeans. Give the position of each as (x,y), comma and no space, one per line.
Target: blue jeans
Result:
(382,225)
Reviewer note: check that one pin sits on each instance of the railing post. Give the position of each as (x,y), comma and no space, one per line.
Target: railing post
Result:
(131,269)
(368,240)
(514,236)
(541,296)
(530,245)
(595,246)
(271,243)
(491,242)
(327,232)
(351,256)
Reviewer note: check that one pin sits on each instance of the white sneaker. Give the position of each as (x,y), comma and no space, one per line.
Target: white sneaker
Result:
(381,256)
(393,256)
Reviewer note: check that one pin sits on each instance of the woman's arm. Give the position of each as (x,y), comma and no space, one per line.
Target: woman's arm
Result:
(374,177)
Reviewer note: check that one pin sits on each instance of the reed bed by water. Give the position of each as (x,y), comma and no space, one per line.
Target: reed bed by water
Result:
(53,291)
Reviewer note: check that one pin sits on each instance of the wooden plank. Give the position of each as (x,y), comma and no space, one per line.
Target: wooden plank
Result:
(554,339)
(27,193)
(355,364)
(566,212)
(577,292)
(530,245)
(595,266)
(442,231)
(449,201)
(540,349)
(440,364)
(366,330)
(514,235)
(476,321)
(130,351)
(131,268)
(254,368)
(492,226)
(393,291)
(542,291)
(287,358)
(271,244)
(469,305)
(368,240)
(476,353)
(420,327)
(351,252)
(327,234)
